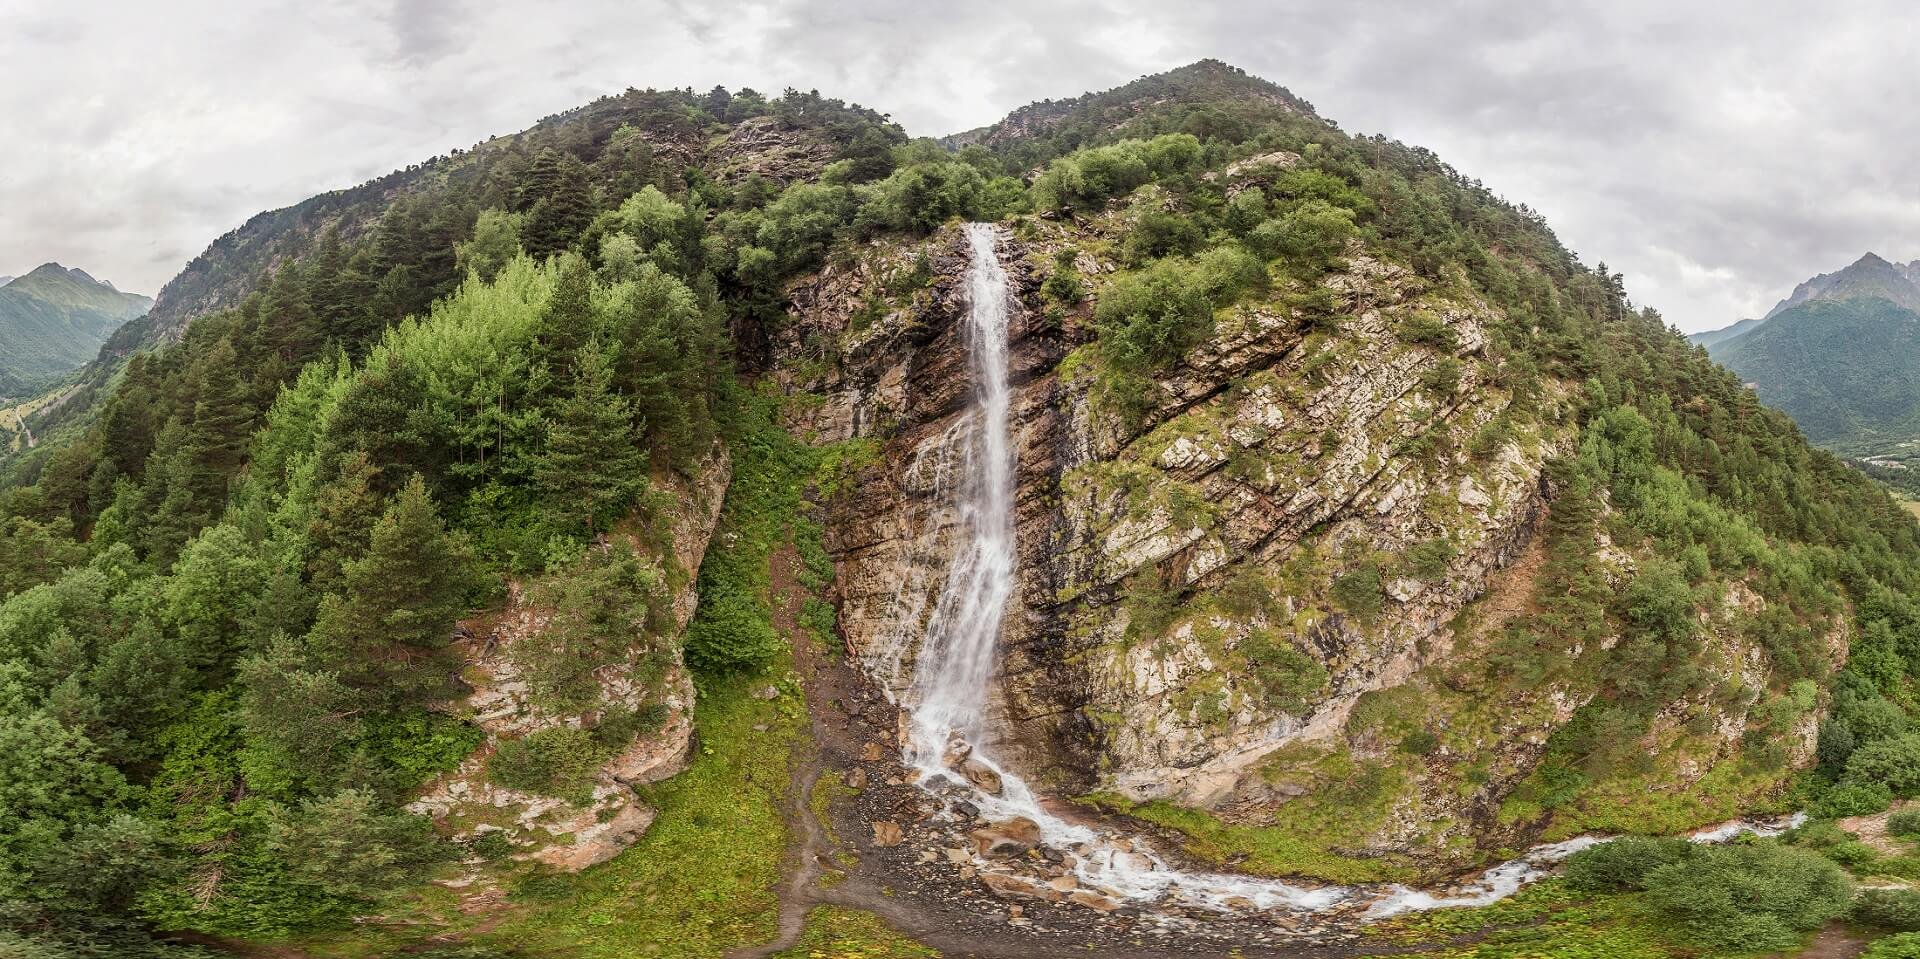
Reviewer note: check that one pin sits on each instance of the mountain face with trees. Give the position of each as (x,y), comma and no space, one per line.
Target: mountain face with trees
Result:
(432,542)
(53,320)
(1837,356)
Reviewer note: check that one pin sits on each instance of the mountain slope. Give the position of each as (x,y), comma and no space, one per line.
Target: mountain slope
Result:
(53,320)
(1364,534)
(1838,355)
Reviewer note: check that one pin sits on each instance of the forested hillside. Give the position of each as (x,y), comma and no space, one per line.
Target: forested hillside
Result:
(1838,356)
(251,585)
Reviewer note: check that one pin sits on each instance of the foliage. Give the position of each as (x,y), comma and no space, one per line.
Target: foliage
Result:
(1750,895)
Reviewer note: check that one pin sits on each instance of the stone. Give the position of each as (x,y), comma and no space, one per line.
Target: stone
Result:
(1013,887)
(1063,884)
(887,833)
(1004,840)
(855,779)
(768,692)
(981,775)
(1092,900)
(965,809)
(872,752)
(958,856)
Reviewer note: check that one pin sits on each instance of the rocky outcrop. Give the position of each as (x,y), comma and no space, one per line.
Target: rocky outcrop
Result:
(573,833)
(1273,444)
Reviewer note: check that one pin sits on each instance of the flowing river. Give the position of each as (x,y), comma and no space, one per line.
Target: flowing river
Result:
(955,668)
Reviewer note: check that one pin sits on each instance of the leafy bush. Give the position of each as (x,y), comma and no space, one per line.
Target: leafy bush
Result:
(1852,799)
(1426,328)
(1159,234)
(1624,863)
(558,761)
(1906,945)
(1359,593)
(1285,674)
(1893,762)
(1906,822)
(1758,895)
(1895,909)
(1152,317)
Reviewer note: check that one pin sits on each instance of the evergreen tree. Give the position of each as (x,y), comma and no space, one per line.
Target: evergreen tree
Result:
(385,633)
(592,468)
(557,200)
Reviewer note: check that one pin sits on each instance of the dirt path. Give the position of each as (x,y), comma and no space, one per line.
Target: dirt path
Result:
(1834,942)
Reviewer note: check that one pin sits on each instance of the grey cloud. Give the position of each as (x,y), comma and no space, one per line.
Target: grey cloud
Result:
(1716,152)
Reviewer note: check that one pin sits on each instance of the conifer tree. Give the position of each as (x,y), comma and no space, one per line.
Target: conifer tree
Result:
(592,467)
(557,200)
(386,631)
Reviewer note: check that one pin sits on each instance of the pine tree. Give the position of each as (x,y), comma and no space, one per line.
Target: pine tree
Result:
(345,510)
(569,320)
(592,467)
(386,631)
(555,195)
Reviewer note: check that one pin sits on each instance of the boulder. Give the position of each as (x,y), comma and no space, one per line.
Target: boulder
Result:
(887,833)
(1004,840)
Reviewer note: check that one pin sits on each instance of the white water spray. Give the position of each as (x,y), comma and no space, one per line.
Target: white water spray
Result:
(954,672)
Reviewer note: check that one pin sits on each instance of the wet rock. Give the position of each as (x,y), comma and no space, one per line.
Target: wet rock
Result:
(966,810)
(1063,884)
(887,833)
(981,776)
(1014,887)
(1092,900)
(1003,840)
(958,856)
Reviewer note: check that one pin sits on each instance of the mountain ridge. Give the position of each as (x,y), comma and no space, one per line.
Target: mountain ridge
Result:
(53,320)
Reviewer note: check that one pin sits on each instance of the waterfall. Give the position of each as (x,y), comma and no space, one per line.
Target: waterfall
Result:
(957,656)
(953,673)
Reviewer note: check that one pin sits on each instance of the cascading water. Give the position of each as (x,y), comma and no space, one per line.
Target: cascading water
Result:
(953,672)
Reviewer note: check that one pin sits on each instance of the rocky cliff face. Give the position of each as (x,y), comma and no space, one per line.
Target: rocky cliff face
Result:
(1320,508)
(1280,454)
(573,833)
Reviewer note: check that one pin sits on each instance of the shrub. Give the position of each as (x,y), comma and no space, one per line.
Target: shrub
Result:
(1906,945)
(1852,799)
(1358,592)
(1429,560)
(1893,762)
(1852,854)
(1895,909)
(1623,863)
(1159,234)
(1906,822)
(1759,895)
(1310,236)
(1285,674)
(1426,328)
(558,761)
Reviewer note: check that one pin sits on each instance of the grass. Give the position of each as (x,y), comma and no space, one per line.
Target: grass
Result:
(836,933)
(1281,850)
(701,880)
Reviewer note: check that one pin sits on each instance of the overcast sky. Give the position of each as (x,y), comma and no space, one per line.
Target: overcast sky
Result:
(1715,152)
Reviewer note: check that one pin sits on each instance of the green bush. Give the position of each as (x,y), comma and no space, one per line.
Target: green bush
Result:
(1623,864)
(558,761)
(1757,895)
(1429,560)
(1159,234)
(1906,945)
(1894,762)
(1852,799)
(1906,822)
(1359,593)
(1285,674)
